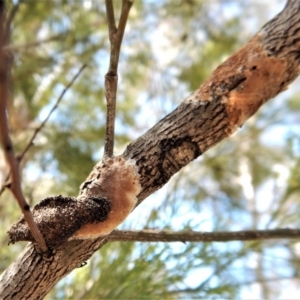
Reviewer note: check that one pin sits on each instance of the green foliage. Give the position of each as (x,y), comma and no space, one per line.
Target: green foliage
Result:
(249,181)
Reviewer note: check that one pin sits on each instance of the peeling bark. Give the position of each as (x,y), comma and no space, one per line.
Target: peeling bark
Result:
(236,89)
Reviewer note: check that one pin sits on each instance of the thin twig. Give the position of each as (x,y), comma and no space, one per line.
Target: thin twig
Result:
(10,19)
(196,236)
(32,44)
(5,140)
(126,5)
(38,129)
(112,28)
(111,78)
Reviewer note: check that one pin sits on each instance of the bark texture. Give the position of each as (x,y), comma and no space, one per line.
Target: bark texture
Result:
(234,92)
(153,235)
(63,215)
(33,274)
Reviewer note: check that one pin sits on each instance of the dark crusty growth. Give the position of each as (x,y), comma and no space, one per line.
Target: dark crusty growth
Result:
(59,217)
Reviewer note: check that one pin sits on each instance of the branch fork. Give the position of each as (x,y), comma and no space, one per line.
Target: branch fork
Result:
(111,78)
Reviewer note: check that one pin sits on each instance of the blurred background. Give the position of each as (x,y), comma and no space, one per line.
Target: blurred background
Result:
(249,181)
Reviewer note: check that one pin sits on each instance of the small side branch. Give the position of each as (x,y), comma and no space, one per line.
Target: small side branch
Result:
(26,46)
(38,129)
(112,28)
(111,78)
(10,18)
(196,236)
(5,138)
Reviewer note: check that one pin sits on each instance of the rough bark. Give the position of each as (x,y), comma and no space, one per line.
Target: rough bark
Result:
(234,92)
(63,215)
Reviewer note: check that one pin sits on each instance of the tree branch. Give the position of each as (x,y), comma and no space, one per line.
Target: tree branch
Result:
(5,140)
(117,37)
(154,235)
(237,88)
(112,28)
(111,78)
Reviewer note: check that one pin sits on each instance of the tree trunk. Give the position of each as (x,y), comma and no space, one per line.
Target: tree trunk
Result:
(236,89)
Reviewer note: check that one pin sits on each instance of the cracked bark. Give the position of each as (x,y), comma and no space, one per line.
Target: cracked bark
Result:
(234,92)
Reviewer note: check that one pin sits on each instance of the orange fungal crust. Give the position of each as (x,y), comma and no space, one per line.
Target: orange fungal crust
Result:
(118,181)
(263,77)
